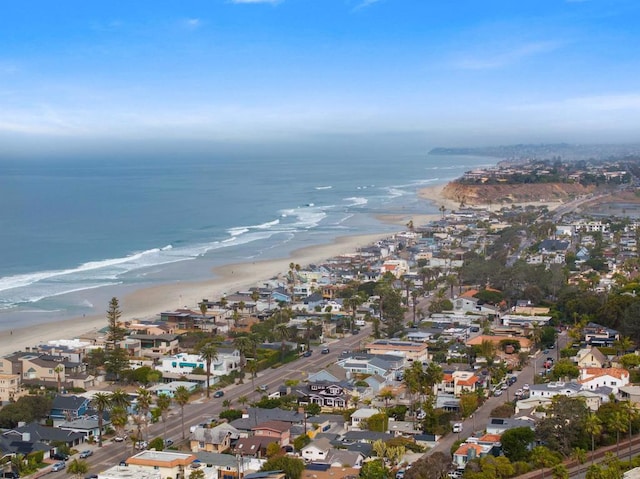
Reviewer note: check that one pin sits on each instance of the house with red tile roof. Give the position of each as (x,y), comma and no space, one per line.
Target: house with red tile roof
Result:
(456,383)
(594,378)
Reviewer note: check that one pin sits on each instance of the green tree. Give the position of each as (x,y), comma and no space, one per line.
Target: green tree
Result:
(291,466)
(617,422)
(78,467)
(542,457)
(143,406)
(117,358)
(563,427)
(374,470)
(208,353)
(378,422)
(593,427)
(163,403)
(282,331)
(157,443)
(181,397)
(468,403)
(197,474)
(101,402)
(516,443)
(564,368)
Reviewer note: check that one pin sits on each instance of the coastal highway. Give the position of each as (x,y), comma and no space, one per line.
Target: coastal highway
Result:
(202,409)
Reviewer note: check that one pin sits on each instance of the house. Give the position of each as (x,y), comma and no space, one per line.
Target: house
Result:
(456,382)
(552,389)
(593,378)
(340,458)
(409,350)
(332,373)
(597,335)
(591,358)
(329,395)
(469,451)
(157,345)
(227,466)
(498,425)
(68,408)
(170,388)
(317,450)
(279,430)
(362,414)
(228,360)
(630,393)
(215,439)
(87,425)
(155,463)
(367,364)
(34,432)
(255,446)
(11,388)
(525,344)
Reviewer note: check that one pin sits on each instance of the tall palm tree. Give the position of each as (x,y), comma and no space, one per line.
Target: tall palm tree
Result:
(242,400)
(308,326)
(593,427)
(208,353)
(163,403)
(282,331)
(243,344)
(617,422)
(203,308)
(143,405)
(182,398)
(101,402)
(59,369)
(120,398)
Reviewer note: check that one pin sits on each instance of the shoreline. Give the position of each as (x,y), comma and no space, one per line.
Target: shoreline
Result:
(148,303)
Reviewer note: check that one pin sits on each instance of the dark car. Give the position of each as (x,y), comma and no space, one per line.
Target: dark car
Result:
(58,456)
(218,394)
(356,331)
(91,476)
(325,351)
(307,354)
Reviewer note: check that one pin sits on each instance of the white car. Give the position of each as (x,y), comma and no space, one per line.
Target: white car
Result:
(457,427)
(497,392)
(525,387)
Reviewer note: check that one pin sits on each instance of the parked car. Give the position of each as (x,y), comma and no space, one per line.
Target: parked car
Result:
(91,476)
(525,387)
(10,475)
(264,387)
(218,394)
(120,438)
(58,466)
(457,427)
(168,443)
(307,353)
(86,453)
(400,474)
(58,456)
(141,445)
(325,351)
(123,463)
(497,392)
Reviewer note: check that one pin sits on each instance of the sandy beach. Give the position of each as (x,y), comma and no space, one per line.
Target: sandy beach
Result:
(148,303)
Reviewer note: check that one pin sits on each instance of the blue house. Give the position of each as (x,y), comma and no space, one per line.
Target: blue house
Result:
(68,408)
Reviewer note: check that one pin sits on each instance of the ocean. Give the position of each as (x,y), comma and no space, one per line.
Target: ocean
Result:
(77,232)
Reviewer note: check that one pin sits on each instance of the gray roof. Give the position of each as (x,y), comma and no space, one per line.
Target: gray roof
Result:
(217,459)
(45,434)
(68,402)
(366,436)
(215,435)
(258,416)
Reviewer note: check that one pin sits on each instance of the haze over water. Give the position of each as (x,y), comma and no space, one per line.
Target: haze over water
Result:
(77,232)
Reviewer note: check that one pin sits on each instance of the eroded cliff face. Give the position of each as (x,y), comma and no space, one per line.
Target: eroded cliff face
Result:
(513,193)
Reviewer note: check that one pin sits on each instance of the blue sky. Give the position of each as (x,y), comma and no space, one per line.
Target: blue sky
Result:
(454,72)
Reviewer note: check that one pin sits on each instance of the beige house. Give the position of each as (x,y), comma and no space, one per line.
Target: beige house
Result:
(10,387)
(215,439)
(456,383)
(591,358)
(154,464)
(411,351)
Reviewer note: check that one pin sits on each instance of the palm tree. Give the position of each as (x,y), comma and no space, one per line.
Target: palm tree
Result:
(622,345)
(617,422)
(59,369)
(182,398)
(101,402)
(243,344)
(308,326)
(203,308)
(252,367)
(226,403)
(120,398)
(143,405)
(593,427)
(163,403)
(208,353)
(242,400)
(386,395)
(282,331)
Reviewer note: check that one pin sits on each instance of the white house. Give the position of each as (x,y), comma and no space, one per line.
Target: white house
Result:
(317,450)
(184,363)
(361,414)
(594,378)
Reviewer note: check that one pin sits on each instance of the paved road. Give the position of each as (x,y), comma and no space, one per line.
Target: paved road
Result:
(480,418)
(202,409)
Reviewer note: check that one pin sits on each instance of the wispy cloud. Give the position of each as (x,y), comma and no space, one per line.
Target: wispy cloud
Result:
(365,4)
(500,59)
(192,23)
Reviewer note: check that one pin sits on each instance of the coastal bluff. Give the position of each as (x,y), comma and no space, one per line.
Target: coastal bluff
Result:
(512,193)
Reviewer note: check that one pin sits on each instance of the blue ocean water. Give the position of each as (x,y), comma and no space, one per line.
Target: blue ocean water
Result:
(77,232)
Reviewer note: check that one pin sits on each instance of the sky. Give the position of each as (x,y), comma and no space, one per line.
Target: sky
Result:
(77,74)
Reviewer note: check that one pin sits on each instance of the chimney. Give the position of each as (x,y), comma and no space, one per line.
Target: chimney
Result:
(26,436)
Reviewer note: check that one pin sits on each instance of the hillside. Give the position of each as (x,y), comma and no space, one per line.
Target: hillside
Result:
(513,193)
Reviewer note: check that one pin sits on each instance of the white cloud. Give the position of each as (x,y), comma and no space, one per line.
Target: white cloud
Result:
(192,23)
(499,59)
(365,4)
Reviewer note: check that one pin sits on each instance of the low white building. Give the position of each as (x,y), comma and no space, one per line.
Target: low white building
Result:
(361,414)
(594,378)
(183,363)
